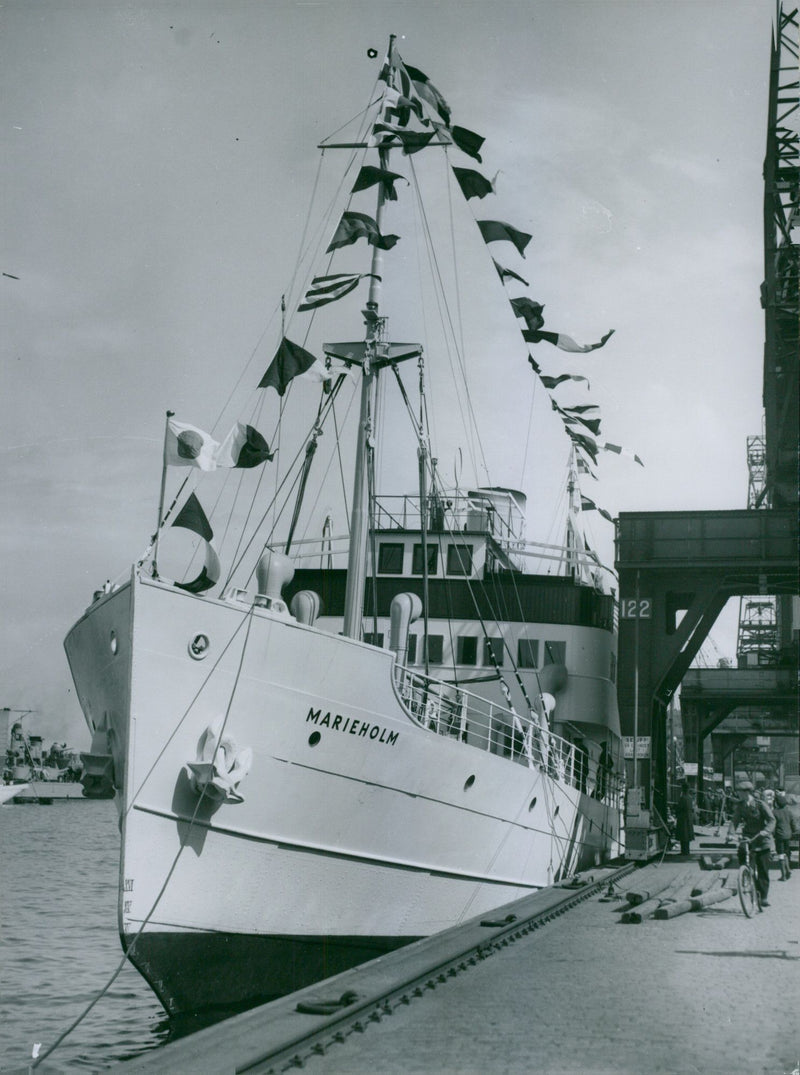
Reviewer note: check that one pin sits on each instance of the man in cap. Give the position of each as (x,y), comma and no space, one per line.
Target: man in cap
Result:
(785,831)
(758,825)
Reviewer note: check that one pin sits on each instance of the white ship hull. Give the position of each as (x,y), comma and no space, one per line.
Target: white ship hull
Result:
(359,830)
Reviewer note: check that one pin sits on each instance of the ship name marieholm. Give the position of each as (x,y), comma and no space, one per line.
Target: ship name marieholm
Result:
(361,728)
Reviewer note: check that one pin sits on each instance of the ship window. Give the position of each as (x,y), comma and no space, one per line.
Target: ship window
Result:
(434,648)
(459,559)
(433,559)
(412,649)
(492,647)
(528,652)
(555,653)
(374,639)
(466,650)
(390,558)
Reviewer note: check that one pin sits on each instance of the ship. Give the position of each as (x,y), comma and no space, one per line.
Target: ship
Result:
(33,774)
(323,745)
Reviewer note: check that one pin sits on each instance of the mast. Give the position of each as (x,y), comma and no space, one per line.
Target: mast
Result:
(359,515)
(371,354)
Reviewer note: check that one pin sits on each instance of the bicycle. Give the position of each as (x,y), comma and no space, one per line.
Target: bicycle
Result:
(746,883)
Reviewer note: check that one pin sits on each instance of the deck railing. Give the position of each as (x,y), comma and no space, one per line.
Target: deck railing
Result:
(452,711)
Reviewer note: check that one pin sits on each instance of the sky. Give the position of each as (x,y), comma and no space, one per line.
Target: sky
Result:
(157,164)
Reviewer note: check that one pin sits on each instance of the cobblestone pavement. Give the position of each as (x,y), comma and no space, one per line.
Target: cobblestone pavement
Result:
(707,992)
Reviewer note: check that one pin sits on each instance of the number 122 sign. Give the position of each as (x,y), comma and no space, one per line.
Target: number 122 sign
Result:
(632,608)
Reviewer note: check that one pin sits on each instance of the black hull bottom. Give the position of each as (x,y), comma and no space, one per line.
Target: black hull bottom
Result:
(222,973)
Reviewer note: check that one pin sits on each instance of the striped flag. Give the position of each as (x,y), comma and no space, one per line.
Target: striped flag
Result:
(325,289)
(566,343)
(621,451)
(244,447)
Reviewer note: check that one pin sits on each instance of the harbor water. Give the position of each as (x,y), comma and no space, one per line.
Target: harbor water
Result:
(59,945)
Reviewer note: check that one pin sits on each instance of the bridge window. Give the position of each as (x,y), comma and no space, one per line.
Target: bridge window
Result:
(527,653)
(374,639)
(492,647)
(459,559)
(434,648)
(433,559)
(390,558)
(466,650)
(555,653)
(412,649)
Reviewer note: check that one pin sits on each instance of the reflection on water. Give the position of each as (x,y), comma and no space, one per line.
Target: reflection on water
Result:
(59,945)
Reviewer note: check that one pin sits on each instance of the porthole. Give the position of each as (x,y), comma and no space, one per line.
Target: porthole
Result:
(532,803)
(313,739)
(114,645)
(198,647)
(469,782)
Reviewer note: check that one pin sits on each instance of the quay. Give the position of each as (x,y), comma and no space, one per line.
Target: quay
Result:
(568,990)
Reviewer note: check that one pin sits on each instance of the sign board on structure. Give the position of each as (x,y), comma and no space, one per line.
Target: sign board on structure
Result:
(642,746)
(690,768)
(633,608)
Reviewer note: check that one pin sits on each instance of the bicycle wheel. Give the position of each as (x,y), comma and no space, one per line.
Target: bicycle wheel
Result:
(745,884)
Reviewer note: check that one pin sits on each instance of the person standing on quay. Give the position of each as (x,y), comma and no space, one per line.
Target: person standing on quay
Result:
(785,831)
(758,826)
(684,818)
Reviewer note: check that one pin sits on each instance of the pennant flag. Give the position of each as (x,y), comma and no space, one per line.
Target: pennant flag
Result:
(468,142)
(472,183)
(354,226)
(244,447)
(188,446)
(411,141)
(534,365)
(622,451)
(529,311)
(325,289)
(584,441)
(554,382)
(495,230)
(589,505)
(568,415)
(290,360)
(503,273)
(192,517)
(370,175)
(428,92)
(566,343)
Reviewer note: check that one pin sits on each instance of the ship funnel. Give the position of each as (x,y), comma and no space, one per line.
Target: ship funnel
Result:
(274,571)
(405,609)
(305,606)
